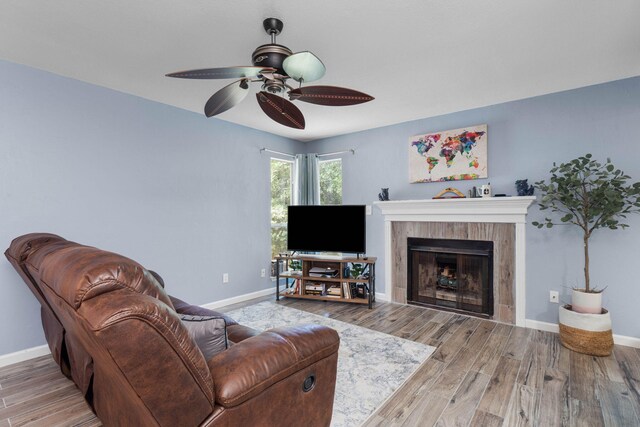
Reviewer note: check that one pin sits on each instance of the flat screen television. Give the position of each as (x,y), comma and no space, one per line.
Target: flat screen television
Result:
(329,228)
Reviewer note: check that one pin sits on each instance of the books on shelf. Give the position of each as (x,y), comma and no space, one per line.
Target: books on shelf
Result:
(334,290)
(354,290)
(314,289)
(346,293)
(316,293)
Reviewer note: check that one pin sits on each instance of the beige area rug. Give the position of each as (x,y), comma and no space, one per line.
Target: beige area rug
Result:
(371,365)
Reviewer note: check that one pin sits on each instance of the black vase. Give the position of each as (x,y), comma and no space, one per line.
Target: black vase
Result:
(384,194)
(523,188)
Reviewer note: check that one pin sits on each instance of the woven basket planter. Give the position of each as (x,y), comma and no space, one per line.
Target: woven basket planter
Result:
(586,333)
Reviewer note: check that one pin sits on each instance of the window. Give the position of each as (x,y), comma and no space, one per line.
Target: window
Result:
(330,182)
(281,195)
(281,180)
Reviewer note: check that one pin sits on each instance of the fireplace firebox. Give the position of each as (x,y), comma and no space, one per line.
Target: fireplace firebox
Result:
(451,274)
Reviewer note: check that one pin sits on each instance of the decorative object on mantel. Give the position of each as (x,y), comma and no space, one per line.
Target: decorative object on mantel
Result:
(383,195)
(590,195)
(482,191)
(457,194)
(523,188)
(453,155)
(485,190)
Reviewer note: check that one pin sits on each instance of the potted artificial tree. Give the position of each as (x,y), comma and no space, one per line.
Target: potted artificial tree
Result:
(592,196)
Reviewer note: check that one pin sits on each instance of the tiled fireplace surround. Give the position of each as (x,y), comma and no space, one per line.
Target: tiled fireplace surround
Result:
(498,219)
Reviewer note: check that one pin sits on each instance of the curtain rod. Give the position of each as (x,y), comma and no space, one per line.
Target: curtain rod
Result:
(335,153)
(276,152)
(350,150)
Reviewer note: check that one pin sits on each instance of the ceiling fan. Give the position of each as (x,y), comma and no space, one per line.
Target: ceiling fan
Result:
(273,65)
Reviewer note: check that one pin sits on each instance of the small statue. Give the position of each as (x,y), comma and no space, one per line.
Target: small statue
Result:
(523,188)
(383,196)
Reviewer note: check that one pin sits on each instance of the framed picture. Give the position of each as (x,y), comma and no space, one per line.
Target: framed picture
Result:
(452,155)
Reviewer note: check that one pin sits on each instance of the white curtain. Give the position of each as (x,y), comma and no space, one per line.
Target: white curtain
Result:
(306,180)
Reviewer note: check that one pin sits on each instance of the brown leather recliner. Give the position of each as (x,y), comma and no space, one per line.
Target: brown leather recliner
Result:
(117,334)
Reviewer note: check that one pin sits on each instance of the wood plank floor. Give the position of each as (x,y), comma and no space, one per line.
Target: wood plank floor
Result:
(482,374)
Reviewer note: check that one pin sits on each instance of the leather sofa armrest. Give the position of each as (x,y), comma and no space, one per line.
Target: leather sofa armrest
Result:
(238,333)
(251,366)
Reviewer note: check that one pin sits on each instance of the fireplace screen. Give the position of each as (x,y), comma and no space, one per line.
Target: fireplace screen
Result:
(452,274)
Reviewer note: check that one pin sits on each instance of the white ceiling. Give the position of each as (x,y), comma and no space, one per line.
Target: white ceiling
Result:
(418,58)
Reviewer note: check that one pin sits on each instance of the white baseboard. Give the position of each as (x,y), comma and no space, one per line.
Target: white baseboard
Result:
(381,297)
(22,355)
(240,298)
(542,326)
(553,327)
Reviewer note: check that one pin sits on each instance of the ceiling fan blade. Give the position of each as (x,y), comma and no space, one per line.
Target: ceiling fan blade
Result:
(329,95)
(221,73)
(304,67)
(227,97)
(280,110)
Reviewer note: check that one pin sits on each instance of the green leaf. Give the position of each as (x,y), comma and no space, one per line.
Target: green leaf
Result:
(588,194)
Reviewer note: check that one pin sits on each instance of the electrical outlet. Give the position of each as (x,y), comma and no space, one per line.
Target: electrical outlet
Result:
(554,297)
(368,210)
(225,278)
(263,272)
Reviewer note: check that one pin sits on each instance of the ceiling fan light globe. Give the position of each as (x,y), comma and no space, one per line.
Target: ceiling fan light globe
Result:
(304,67)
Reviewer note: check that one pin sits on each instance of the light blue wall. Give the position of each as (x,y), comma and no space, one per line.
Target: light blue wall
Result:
(525,138)
(179,193)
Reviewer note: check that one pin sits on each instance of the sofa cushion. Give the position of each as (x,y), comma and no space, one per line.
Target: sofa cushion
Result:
(208,332)
(182,307)
(22,246)
(77,273)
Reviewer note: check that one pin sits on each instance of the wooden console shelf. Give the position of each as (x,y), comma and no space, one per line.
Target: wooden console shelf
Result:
(327,278)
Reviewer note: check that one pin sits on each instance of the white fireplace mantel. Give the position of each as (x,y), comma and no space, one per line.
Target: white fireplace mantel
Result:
(492,209)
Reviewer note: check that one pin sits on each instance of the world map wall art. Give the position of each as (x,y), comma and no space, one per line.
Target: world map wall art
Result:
(452,155)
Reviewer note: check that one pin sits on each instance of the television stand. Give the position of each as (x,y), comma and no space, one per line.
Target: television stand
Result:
(327,278)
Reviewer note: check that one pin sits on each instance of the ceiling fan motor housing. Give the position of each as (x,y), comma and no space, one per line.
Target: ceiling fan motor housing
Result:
(271,55)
